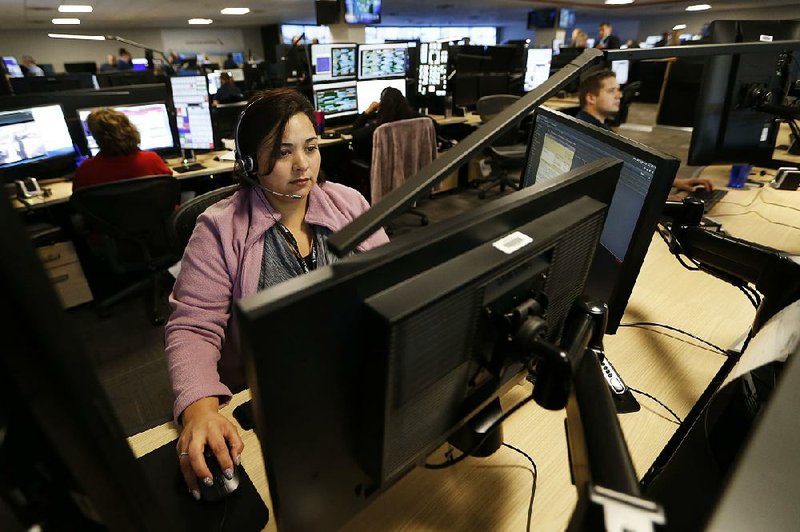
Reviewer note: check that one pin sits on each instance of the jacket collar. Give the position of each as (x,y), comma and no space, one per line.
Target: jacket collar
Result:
(320,211)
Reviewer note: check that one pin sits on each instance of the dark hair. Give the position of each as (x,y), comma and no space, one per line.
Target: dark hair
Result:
(592,83)
(114,133)
(605,24)
(393,107)
(263,122)
(225,77)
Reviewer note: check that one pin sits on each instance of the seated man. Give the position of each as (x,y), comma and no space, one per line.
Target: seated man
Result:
(599,97)
(228,91)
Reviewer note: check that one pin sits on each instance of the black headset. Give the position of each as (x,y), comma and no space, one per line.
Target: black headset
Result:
(245,165)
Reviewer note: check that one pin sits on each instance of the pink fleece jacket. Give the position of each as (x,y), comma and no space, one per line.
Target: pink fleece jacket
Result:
(221,264)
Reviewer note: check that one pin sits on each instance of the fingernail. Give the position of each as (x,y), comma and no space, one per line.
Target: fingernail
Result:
(208,481)
(228,473)
(196,494)
(239,460)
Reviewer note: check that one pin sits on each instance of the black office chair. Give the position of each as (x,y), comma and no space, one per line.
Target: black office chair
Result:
(629,93)
(184,219)
(507,153)
(126,226)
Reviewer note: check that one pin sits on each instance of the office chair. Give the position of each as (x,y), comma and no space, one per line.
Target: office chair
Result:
(400,149)
(126,226)
(630,92)
(184,219)
(506,153)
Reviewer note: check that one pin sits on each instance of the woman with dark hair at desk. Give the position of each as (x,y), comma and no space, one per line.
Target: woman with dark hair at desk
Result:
(120,157)
(272,229)
(392,107)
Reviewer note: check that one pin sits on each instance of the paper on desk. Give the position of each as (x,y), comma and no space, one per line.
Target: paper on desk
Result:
(779,338)
(228,156)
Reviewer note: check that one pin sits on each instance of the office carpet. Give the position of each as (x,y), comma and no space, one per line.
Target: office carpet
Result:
(129,352)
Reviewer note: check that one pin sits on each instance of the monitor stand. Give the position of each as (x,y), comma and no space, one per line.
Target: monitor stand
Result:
(189,163)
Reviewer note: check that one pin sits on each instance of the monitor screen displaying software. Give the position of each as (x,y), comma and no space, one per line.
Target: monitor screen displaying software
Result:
(560,143)
(150,119)
(433,73)
(370,90)
(12,67)
(621,68)
(336,99)
(32,134)
(382,60)
(192,112)
(537,67)
(333,62)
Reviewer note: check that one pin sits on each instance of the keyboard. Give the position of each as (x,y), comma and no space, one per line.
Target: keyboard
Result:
(709,197)
(188,168)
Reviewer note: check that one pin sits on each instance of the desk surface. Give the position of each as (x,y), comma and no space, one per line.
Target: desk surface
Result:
(62,188)
(493,493)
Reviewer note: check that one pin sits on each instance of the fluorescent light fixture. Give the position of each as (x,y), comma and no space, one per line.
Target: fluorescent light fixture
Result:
(235,11)
(66,8)
(200,21)
(618,2)
(77,36)
(699,7)
(66,21)
(677,27)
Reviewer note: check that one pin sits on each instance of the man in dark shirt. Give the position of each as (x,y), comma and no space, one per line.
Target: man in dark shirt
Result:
(229,62)
(228,91)
(599,96)
(607,40)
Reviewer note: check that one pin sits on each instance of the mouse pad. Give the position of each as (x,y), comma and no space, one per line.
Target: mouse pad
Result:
(242,510)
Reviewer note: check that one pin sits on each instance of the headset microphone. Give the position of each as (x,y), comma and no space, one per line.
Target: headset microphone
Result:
(290,196)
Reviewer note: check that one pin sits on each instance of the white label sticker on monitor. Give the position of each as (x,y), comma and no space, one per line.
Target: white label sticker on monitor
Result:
(765,38)
(764,133)
(513,242)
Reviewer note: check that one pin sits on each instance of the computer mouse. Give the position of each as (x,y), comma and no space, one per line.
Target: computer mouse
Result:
(221,487)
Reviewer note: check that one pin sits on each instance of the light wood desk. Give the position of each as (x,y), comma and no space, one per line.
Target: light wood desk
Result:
(62,188)
(493,493)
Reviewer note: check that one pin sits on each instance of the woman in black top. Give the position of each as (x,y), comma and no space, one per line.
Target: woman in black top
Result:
(392,107)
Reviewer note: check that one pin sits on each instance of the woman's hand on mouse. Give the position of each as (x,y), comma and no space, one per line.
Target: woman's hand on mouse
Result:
(693,183)
(203,426)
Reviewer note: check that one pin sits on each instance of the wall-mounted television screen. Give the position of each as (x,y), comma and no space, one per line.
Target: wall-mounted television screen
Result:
(566,18)
(362,11)
(542,18)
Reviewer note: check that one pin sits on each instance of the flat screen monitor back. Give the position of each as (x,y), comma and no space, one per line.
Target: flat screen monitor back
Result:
(75,449)
(404,327)
(726,128)
(558,143)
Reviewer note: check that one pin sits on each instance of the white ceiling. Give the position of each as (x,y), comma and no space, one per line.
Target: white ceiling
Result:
(20,14)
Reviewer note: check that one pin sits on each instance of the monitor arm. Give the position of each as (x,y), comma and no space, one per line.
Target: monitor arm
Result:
(570,375)
(775,274)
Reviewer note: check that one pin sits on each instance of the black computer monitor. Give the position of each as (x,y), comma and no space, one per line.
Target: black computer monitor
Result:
(729,127)
(31,137)
(558,143)
(336,100)
(382,60)
(192,105)
(150,119)
(408,342)
(87,66)
(432,72)
(64,455)
(333,62)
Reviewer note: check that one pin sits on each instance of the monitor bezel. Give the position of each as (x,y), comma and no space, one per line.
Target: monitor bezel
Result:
(377,46)
(20,169)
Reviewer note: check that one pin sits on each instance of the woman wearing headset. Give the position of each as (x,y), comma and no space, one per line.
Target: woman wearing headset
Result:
(272,229)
